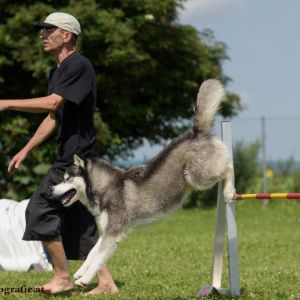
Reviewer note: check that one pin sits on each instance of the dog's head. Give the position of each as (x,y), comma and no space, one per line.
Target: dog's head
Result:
(73,188)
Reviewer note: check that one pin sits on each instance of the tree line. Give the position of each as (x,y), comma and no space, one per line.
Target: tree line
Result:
(148,68)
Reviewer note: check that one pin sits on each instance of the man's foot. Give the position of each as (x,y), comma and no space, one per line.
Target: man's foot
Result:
(109,288)
(57,285)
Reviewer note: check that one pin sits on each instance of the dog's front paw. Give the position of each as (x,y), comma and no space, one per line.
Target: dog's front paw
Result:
(79,273)
(79,282)
(84,280)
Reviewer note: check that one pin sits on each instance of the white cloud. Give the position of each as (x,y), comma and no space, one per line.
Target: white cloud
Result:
(195,10)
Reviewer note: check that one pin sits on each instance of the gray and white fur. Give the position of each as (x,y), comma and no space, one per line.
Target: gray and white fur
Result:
(121,199)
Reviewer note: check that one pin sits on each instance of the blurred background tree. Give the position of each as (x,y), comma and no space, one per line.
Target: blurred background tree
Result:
(148,68)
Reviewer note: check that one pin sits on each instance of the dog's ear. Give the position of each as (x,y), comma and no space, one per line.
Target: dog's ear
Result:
(78,161)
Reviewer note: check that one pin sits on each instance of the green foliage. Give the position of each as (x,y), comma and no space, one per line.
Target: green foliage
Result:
(246,166)
(284,167)
(148,69)
(285,177)
(203,199)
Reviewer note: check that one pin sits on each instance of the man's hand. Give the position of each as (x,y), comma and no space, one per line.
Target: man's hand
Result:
(16,161)
(3,105)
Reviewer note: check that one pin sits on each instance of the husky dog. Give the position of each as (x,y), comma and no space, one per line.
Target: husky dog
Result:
(121,199)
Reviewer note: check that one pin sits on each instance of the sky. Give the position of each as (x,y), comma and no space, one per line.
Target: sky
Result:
(263,40)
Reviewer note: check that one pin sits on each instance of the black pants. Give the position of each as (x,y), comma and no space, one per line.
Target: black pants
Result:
(48,220)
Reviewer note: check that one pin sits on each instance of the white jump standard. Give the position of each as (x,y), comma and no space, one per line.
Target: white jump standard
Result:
(226,215)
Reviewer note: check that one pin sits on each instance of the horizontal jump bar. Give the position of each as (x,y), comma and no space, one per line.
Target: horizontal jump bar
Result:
(267,196)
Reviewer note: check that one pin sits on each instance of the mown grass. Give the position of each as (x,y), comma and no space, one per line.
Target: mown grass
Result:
(172,259)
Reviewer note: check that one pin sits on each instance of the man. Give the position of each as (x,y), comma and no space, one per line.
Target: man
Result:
(70,104)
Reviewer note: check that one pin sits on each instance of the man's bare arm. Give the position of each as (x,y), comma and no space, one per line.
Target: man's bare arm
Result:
(35,105)
(46,128)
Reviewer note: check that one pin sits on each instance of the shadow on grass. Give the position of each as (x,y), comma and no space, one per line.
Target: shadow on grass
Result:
(91,286)
(214,295)
(79,291)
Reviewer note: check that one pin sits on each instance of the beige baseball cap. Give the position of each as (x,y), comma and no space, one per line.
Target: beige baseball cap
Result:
(61,20)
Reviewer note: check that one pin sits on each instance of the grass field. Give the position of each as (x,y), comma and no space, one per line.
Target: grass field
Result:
(172,259)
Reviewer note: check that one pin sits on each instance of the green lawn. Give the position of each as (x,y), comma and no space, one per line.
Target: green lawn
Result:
(172,259)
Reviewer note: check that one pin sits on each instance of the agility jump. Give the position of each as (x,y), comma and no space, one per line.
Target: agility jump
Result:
(226,221)
(267,196)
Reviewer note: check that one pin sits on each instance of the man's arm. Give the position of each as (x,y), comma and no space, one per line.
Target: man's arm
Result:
(45,129)
(35,105)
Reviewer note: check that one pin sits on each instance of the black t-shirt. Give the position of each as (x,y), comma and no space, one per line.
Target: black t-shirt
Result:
(74,80)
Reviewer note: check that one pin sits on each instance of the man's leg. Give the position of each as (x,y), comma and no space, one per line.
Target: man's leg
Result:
(89,237)
(106,284)
(43,219)
(61,282)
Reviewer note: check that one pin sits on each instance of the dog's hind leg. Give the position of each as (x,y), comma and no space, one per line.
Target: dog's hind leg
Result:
(107,246)
(89,260)
(229,190)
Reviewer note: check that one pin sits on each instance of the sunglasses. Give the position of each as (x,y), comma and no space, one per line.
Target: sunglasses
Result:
(47,30)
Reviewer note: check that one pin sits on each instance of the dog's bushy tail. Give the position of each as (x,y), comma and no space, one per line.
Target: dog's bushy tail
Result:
(210,95)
